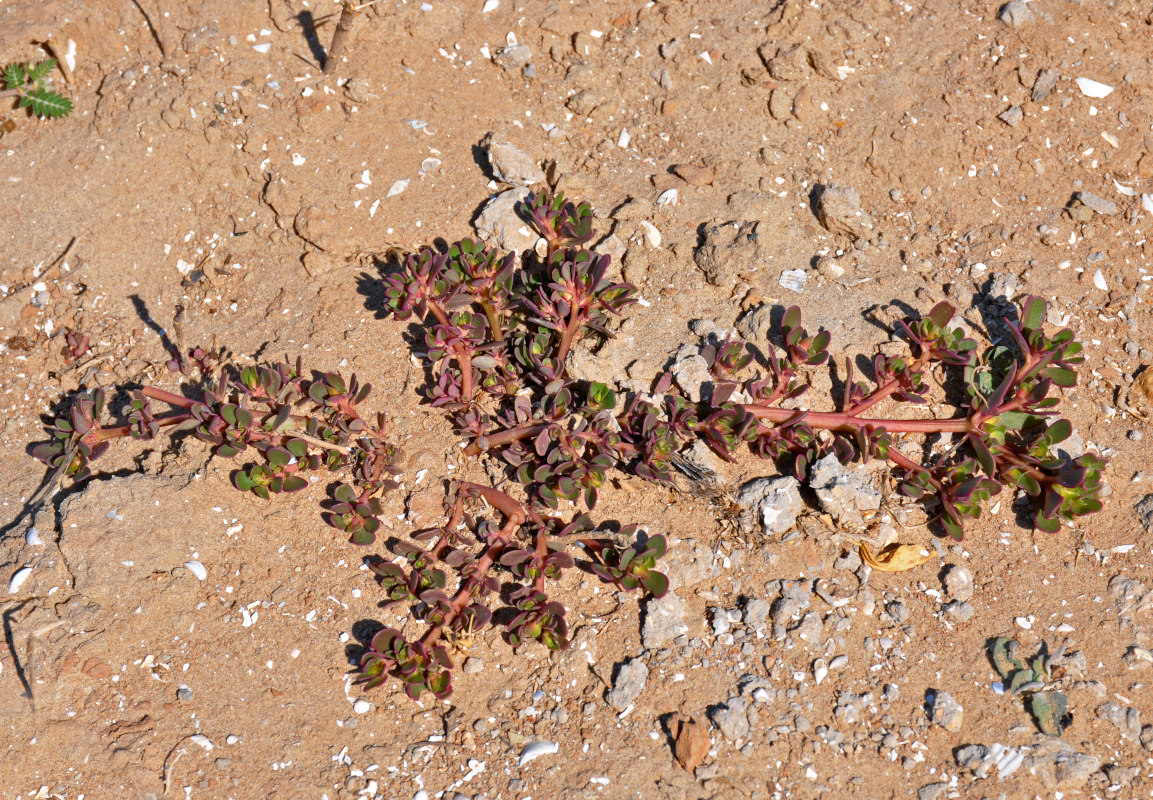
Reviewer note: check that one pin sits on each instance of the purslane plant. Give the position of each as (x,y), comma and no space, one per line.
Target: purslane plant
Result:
(498,336)
(499,339)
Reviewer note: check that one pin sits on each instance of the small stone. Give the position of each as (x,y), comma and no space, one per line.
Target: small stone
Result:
(1097,203)
(514,166)
(473,665)
(184,693)
(755,322)
(793,600)
(843,493)
(932,791)
(628,683)
(946,712)
(756,612)
(959,582)
(1046,80)
(513,57)
(721,624)
(1016,13)
(1012,116)
(728,250)
(664,621)
(732,719)
(957,611)
(772,504)
(694,174)
(499,223)
(971,756)
(583,103)
(691,372)
(780,104)
(839,210)
(1144,509)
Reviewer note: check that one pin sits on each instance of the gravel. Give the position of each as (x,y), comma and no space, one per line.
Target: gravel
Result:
(1016,13)
(499,223)
(1144,509)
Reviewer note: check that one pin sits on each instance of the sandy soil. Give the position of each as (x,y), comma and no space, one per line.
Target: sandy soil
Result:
(214,188)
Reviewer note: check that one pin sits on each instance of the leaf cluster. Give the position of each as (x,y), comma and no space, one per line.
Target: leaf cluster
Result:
(32,84)
(1032,679)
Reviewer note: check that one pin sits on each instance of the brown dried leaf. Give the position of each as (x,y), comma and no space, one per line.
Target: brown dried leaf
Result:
(896,557)
(692,742)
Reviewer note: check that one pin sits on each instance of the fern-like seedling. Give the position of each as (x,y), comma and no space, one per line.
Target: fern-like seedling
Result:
(32,84)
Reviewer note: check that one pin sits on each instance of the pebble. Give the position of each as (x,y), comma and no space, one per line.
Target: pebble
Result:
(839,210)
(959,582)
(231,738)
(184,693)
(362,706)
(732,718)
(511,165)
(1044,84)
(770,503)
(473,665)
(957,611)
(1097,203)
(756,612)
(512,57)
(1144,510)
(694,174)
(630,680)
(1012,116)
(664,621)
(946,711)
(499,223)
(843,493)
(1016,13)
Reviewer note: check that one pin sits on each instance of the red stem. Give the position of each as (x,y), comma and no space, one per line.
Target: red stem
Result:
(845,421)
(515,516)
(463,359)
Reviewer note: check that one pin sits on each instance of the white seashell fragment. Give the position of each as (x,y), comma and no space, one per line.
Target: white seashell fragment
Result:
(490,5)
(1024,622)
(247,615)
(202,740)
(794,279)
(1147,202)
(652,235)
(820,670)
(197,569)
(398,187)
(624,139)
(263,47)
(537,749)
(669,197)
(1128,191)
(362,706)
(1007,760)
(1099,281)
(18,579)
(1092,88)
(33,538)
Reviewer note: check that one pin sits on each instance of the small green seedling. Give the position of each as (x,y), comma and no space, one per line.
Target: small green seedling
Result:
(32,84)
(1032,680)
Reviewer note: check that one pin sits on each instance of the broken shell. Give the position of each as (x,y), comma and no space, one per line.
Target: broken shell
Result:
(1092,88)
(536,750)
(820,670)
(18,579)
(668,197)
(197,569)
(652,235)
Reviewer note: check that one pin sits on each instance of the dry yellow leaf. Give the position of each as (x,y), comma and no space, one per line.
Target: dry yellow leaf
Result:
(896,557)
